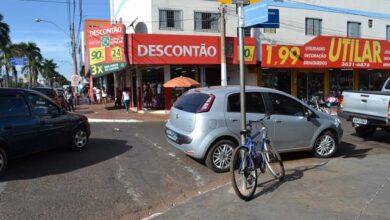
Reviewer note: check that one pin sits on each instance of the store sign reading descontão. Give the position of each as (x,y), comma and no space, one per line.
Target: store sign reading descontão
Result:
(173,49)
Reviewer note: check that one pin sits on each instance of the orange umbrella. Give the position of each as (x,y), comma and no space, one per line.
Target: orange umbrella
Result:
(181,82)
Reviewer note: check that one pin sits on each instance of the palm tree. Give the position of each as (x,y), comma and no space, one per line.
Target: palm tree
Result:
(4,33)
(34,60)
(11,50)
(4,42)
(49,70)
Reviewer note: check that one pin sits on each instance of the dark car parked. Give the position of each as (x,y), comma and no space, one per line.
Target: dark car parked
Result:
(31,122)
(49,92)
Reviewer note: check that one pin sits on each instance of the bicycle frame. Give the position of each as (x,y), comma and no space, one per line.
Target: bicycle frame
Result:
(251,145)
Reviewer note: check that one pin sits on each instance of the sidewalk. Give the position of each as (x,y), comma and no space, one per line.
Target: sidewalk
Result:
(107,111)
(341,188)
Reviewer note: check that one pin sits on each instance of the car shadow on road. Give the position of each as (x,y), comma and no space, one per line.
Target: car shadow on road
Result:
(64,160)
(272,184)
(378,136)
(346,150)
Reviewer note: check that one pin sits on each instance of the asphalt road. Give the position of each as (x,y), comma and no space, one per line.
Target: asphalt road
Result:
(129,172)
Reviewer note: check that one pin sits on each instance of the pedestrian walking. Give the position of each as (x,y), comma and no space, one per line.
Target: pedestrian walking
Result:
(69,99)
(159,95)
(98,95)
(126,99)
(104,95)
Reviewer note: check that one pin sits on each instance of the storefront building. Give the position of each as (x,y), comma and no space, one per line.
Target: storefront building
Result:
(323,48)
(326,66)
(156,58)
(142,63)
(295,57)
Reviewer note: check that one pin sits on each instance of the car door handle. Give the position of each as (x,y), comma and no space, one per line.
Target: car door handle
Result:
(278,121)
(233,119)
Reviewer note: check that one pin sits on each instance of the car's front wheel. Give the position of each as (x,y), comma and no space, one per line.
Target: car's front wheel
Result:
(80,138)
(326,145)
(220,155)
(3,161)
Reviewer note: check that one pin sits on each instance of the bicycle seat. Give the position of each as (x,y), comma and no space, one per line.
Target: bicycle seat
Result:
(246,131)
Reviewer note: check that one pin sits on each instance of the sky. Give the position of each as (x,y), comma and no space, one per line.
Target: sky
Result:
(20,15)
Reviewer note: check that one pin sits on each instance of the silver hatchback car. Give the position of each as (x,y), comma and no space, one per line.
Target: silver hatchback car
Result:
(205,124)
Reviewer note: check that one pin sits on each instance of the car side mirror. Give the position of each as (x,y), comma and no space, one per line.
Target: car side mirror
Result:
(309,114)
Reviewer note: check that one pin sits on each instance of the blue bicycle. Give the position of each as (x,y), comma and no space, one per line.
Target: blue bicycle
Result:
(247,160)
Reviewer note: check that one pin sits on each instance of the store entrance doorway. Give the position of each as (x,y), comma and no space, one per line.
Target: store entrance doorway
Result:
(310,84)
(213,76)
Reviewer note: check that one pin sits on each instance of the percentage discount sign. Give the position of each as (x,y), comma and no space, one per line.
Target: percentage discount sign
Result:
(97,55)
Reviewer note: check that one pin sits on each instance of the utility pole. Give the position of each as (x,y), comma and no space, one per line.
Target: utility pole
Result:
(223,44)
(74,49)
(240,28)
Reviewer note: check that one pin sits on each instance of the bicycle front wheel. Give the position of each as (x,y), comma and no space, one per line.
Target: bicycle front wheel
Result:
(243,171)
(274,162)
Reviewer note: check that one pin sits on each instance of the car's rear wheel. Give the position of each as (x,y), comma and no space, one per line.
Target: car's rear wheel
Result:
(326,145)
(3,161)
(80,138)
(220,155)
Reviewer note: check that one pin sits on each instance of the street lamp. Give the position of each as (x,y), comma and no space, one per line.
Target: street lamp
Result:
(72,39)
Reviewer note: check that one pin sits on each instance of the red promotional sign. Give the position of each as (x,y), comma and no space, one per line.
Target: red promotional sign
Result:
(250,54)
(329,52)
(106,49)
(173,49)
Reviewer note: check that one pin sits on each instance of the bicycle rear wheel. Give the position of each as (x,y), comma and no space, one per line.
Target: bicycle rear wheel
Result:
(244,176)
(274,162)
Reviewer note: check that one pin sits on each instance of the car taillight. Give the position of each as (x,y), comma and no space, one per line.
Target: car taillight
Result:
(388,110)
(207,104)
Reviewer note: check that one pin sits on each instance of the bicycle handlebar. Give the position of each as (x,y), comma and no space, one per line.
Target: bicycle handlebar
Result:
(258,121)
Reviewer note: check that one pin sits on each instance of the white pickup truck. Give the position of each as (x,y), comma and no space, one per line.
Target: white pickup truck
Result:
(368,110)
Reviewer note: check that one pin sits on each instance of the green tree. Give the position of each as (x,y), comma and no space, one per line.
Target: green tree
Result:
(4,33)
(4,43)
(48,71)
(34,61)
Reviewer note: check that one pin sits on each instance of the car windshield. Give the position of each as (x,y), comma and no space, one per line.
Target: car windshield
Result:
(191,102)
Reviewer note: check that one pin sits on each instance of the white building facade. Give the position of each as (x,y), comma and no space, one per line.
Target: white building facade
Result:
(300,22)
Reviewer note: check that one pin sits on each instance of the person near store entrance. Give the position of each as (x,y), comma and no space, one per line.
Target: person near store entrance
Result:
(126,99)
(159,95)
(147,96)
(104,95)
(98,95)
(118,98)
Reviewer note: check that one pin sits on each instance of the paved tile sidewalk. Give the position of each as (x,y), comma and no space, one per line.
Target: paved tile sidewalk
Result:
(107,111)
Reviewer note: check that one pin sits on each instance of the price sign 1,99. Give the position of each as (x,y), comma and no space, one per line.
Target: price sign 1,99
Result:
(285,55)
(97,55)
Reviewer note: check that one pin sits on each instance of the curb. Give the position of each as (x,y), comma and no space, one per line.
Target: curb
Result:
(96,120)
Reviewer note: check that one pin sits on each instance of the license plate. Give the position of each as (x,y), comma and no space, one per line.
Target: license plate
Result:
(171,135)
(359,121)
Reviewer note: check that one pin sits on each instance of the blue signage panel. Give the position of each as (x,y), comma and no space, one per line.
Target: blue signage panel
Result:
(255,14)
(273,20)
(18,61)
